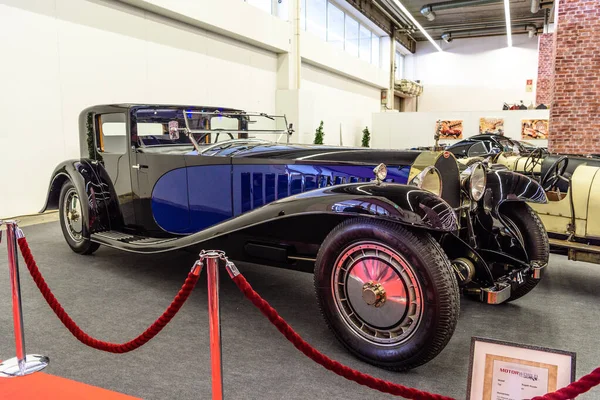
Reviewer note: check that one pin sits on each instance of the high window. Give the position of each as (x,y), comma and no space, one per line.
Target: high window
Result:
(399,66)
(331,23)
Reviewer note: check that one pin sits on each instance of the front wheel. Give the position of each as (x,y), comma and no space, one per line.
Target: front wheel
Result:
(532,233)
(387,293)
(72,223)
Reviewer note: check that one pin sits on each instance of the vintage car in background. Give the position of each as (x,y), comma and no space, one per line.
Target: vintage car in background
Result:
(392,237)
(478,147)
(572,184)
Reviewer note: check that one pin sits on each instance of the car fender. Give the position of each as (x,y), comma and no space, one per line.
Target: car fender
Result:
(98,198)
(402,204)
(503,186)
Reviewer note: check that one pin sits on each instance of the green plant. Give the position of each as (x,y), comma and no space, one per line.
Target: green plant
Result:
(366,137)
(319,134)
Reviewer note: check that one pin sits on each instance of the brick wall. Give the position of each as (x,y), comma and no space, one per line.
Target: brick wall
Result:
(545,79)
(575,111)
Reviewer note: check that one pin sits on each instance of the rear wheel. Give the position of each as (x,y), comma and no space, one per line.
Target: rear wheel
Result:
(534,236)
(387,293)
(72,223)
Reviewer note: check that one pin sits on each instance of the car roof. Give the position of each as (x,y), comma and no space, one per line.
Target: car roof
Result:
(149,105)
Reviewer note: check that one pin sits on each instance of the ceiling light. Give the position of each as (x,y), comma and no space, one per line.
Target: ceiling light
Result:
(428,13)
(446,37)
(508,25)
(414,21)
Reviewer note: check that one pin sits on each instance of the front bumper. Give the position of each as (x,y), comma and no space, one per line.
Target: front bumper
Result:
(501,291)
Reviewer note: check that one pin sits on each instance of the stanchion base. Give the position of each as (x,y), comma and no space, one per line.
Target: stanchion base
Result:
(33,363)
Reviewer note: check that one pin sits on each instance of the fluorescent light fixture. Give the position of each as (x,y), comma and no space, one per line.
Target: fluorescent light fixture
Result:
(508,25)
(414,21)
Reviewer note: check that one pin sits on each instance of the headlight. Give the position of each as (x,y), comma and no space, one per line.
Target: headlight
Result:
(477,181)
(380,172)
(429,179)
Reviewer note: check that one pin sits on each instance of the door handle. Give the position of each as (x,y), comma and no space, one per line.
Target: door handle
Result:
(138,166)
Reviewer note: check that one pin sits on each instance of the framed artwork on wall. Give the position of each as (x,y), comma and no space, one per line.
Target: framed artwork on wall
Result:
(534,129)
(450,129)
(491,126)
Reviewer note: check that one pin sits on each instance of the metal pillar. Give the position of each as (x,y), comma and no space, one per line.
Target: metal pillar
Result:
(214,319)
(22,364)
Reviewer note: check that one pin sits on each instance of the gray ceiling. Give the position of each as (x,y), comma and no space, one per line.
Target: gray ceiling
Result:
(460,21)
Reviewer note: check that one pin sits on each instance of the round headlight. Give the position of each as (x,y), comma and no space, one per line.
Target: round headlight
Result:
(429,179)
(477,182)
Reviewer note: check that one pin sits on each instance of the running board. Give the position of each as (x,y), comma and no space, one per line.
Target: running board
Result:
(578,251)
(135,243)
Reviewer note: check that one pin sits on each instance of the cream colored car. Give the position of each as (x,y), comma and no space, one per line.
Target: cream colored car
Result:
(572,185)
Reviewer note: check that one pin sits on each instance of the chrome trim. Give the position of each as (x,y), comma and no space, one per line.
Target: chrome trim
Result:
(302,258)
(496,295)
(420,178)
(537,268)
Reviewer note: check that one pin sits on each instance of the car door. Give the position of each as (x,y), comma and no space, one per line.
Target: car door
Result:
(177,190)
(113,148)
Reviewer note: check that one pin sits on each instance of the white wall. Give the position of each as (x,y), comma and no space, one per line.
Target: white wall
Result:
(474,74)
(413,129)
(335,100)
(60,56)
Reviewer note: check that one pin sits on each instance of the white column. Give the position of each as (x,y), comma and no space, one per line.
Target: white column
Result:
(288,72)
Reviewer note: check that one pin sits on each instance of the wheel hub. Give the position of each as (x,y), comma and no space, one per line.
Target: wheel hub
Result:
(374,294)
(73,216)
(377,293)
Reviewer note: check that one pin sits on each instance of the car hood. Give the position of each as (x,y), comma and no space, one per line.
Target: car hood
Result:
(316,153)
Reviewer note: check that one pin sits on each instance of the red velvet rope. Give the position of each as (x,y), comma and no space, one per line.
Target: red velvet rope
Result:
(570,392)
(576,388)
(86,339)
(320,358)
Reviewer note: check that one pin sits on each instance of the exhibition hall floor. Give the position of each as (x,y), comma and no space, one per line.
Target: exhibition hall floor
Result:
(114,296)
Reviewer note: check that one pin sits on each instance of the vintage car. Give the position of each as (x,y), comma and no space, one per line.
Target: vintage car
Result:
(389,255)
(488,145)
(572,184)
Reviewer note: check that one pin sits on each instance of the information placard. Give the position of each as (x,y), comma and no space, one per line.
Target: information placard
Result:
(502,370)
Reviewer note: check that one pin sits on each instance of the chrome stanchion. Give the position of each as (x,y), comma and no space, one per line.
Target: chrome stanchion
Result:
(22,364)
(212,259)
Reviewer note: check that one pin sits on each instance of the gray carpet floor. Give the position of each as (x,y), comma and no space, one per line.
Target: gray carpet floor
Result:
(114,296)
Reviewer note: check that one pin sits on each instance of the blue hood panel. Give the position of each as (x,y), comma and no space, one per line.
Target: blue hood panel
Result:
(188,200)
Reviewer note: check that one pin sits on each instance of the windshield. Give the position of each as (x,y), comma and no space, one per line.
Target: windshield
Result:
(191,127)
(511,146)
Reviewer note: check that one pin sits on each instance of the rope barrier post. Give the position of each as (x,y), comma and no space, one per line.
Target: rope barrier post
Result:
(212,259)
(22,364)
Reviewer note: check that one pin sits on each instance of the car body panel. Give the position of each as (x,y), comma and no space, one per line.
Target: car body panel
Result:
(508,186)
(403,204)
(593,209)
(560,206)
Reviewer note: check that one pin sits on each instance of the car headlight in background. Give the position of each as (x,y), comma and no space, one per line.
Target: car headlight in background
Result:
(429,179)
(475,180)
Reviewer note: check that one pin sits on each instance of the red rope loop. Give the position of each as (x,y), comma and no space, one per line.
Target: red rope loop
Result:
(320,358)
(576,388)
(570,392)
(86,339)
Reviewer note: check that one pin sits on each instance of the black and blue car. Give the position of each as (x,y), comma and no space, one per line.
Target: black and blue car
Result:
(392,237)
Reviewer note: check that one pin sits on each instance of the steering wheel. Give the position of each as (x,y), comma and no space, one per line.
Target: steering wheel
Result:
(533,160)
(555,173)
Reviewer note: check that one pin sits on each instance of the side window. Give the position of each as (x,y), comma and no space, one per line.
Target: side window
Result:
(480,149)
(111,133)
